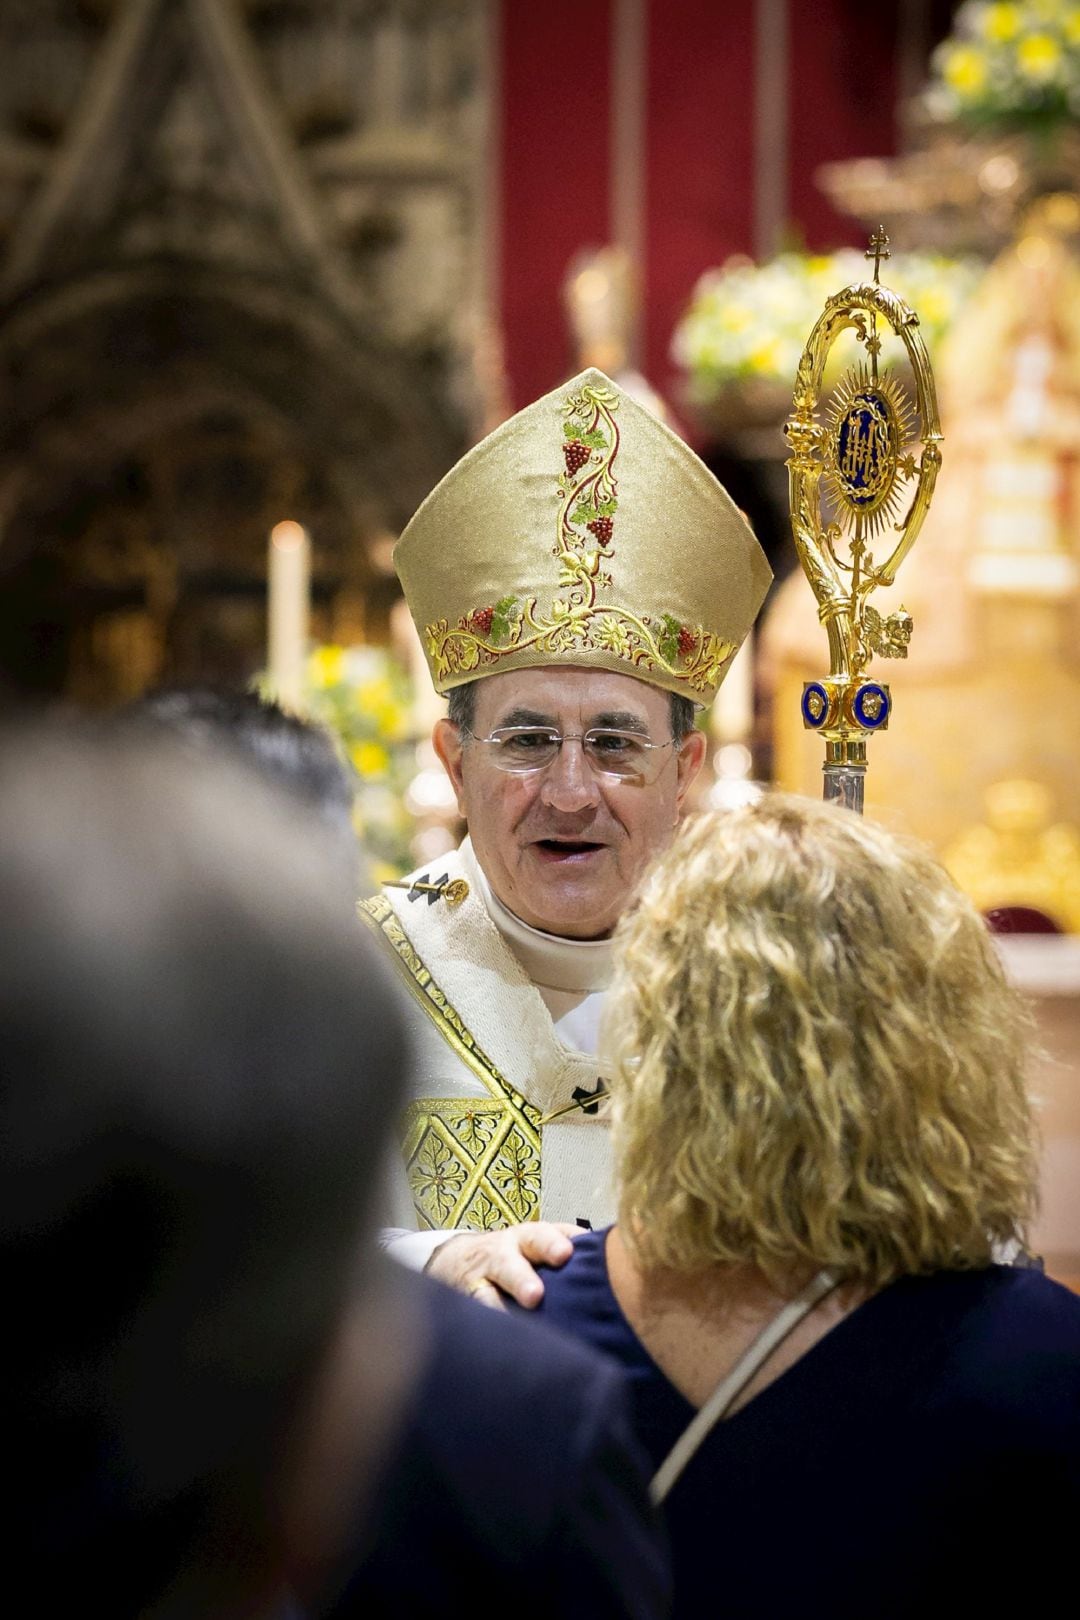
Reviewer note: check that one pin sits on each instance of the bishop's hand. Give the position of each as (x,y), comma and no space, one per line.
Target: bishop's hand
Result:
(489,1265)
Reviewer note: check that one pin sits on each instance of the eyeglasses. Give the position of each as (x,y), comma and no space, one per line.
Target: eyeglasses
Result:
(626,755)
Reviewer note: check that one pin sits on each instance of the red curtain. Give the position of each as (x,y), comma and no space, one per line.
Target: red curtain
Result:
(699,162)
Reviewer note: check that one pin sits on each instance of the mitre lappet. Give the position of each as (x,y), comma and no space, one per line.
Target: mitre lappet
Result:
(582,531)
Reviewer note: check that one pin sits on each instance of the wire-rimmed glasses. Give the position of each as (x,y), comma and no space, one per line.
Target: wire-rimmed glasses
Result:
(629,756)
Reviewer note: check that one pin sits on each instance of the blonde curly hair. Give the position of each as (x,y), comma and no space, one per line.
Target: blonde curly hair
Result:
(815,1058)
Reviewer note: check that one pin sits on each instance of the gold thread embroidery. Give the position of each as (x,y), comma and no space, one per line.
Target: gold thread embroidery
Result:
(498,1187)
(588,502)
(469,1162)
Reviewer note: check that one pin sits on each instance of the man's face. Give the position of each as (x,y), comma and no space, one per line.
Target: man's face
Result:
(564,848)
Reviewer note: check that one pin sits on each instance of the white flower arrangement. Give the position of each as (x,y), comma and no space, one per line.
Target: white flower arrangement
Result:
(364,697)
(749,322)
(1009,66)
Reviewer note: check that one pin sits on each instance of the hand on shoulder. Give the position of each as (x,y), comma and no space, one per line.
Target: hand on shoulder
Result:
(488,1265)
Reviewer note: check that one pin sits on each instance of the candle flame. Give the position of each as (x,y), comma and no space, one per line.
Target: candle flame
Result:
(287,536)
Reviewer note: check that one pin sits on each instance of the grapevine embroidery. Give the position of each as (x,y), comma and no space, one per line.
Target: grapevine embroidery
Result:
(588,503)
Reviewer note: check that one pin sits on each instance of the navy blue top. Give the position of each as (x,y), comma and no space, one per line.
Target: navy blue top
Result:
(928,1445)
(516,1487)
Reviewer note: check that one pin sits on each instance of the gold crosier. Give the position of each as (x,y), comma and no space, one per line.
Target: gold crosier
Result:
(864,454)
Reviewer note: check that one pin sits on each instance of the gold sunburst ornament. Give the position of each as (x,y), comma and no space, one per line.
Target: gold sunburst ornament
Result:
(868,450)
(865,473)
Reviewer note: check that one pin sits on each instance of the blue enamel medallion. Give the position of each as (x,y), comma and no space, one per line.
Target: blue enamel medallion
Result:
(815,704)
(871,706)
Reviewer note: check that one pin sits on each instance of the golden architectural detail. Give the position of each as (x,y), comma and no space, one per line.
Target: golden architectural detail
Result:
(1019,857)
(470,1162)
(206,178)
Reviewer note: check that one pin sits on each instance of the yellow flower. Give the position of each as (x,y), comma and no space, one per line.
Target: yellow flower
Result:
(370,758)
(965,70)
(764,360)
(371,696)
(933,307)
(734,318)
(326,666)
(1070,25)
(1038,57)
(1001,23)
(391,719)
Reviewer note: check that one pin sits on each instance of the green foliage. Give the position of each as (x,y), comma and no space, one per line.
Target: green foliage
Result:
(503,619)
(669,638)
(592,439)
(588,512)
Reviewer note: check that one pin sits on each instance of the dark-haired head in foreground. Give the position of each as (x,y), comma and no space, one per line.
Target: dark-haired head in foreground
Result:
(199,1058)
(300,757)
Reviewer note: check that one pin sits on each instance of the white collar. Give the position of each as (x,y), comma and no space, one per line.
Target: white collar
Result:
(550,960)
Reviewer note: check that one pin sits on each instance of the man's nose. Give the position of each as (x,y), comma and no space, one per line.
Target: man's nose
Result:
(569,783)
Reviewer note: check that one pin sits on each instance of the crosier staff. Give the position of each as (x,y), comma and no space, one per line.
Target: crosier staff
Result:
(864,454)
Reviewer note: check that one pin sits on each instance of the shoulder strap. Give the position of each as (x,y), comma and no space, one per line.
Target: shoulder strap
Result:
(481,985)
(732,1385)
(382,919)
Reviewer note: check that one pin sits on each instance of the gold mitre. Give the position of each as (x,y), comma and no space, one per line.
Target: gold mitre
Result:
(582,531)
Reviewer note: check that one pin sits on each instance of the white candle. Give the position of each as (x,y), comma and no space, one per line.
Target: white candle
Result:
(733,711)
(287,613)
(428,706)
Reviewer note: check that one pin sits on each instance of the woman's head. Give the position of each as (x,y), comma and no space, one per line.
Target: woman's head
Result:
(815,1057)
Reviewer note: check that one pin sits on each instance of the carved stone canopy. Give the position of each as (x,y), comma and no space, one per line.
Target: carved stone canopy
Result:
(239,262)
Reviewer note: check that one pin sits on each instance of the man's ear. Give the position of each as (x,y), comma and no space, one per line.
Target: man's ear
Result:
(689,760)
(446,741)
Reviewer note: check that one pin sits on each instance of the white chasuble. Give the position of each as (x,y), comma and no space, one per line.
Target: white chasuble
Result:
(489,1063)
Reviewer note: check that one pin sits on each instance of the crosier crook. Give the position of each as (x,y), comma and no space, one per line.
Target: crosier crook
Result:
(864,454)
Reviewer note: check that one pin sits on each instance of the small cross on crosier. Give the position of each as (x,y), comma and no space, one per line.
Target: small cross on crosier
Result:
(878,250)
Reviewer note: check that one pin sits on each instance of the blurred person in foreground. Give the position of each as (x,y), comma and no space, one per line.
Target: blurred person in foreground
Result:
(201,1361)
(822,1138)
(295,755)
(515,1461)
